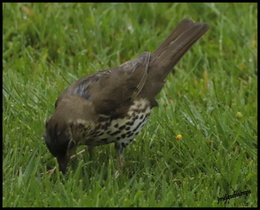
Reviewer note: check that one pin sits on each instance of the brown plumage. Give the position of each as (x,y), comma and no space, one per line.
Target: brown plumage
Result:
(111,106)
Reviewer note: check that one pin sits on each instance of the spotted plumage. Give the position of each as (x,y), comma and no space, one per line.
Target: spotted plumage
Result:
(113,105)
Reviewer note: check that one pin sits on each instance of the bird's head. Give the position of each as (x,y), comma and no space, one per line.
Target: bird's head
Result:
(63,129)
(59,141)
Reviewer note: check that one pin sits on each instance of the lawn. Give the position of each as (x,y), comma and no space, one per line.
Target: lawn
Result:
(211,100)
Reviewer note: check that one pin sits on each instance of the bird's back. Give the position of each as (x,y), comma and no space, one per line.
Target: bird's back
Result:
(113,91)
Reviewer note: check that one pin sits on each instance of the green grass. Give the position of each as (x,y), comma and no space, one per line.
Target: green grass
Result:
(210,100)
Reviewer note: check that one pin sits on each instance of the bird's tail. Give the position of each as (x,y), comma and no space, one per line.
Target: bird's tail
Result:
(164,58)
(177,44)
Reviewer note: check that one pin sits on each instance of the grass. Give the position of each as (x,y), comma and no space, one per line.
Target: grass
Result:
(210,100)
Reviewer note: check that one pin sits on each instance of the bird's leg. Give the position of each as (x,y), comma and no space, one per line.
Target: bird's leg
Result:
(120,156)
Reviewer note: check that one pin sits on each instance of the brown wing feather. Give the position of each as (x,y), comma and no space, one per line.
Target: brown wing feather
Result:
(113,95)
(112,91)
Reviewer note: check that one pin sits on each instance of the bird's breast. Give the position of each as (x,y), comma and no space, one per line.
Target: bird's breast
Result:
(122,129)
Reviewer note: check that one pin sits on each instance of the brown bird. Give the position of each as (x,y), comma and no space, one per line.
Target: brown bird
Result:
(112,106)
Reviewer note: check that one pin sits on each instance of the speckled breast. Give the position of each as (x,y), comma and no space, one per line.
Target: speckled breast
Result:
(123,130)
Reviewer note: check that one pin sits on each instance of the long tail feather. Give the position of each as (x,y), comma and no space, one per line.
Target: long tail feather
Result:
(176,45)
(164,58)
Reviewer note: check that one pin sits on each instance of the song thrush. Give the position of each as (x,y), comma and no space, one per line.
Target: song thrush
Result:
(112,106)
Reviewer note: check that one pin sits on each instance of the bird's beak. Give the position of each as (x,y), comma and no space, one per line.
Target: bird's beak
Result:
(63,161)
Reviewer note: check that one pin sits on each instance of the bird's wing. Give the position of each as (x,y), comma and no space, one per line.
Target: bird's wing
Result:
(111,91)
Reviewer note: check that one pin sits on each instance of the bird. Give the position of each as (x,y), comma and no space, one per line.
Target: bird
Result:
(113,105)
